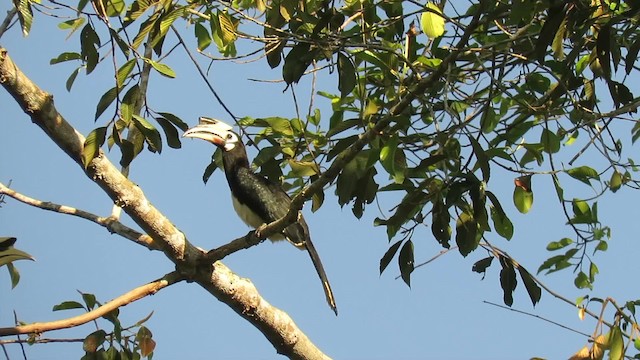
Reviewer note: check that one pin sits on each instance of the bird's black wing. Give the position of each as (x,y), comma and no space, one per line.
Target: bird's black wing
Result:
(270,202)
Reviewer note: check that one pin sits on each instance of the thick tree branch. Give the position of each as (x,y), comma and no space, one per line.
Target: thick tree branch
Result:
(110,223)
(227,287)
(133,295)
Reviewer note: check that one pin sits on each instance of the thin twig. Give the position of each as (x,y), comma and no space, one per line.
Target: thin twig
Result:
(7,20)
(537,317)
(125,299)
(110,223)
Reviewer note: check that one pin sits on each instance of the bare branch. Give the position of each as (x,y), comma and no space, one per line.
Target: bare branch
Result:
(110,223)
(133,295)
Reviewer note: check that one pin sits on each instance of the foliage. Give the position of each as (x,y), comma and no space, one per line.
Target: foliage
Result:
(9,254)
(520,89)
(130,342)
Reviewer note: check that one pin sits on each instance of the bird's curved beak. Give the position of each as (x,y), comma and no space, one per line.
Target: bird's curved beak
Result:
(209,129)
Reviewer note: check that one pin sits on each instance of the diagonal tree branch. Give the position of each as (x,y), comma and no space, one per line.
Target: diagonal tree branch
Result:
(125,299)
(110,223)
(216,278)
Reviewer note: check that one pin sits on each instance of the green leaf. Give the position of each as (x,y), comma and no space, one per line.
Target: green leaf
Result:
(89,40)
(65,56)
(227,27)
(481,265)
(280,125)
(72,78)
(14,275)
(432,22)
(93,341)
(175,120)
(584,174)
(466,233)
(151,134)
(501,222)
(405,262)
(92,145)
(616,344)
(296,62)
(522,199)
(163,69)
(534,291)
(66,305)
(145,341)
(170,132)
(489,120)
(582,281)
(508,281)
(114,7)
(483,159)
(25,15)
(557,245)
(550,141)
(124,72)
(89,300)
(440,227)
(386,258)
(204,39)
(12,254)
(304,168)
(616,181)
(105,100)
(346,75)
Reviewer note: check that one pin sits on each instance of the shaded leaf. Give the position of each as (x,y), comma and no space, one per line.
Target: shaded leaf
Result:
(481,265)
(534,291)
(508,281)
(466,233)
(346,75)
(151,134)
(405,262)
(93,341)
(388,256)
(72,78)
(66,305)
(170,132)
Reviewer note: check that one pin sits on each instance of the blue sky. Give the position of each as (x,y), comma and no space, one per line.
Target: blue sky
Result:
(442,316)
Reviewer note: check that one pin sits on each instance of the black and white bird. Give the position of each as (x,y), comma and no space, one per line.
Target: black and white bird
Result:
(256,199)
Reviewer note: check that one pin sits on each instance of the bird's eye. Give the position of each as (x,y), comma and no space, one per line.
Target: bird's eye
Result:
(229,136)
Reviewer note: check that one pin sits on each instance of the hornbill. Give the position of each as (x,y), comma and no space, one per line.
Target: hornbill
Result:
(256,199)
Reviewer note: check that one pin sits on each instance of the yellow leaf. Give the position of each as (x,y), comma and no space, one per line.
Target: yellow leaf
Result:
(581,312)
(582,354)
(432,22)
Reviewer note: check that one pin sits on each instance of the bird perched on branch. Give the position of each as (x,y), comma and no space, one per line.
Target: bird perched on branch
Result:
(256,199)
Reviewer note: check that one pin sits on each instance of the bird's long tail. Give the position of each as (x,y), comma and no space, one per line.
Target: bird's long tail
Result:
(315,258)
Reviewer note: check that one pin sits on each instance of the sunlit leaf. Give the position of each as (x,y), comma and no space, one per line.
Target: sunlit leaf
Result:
(432,22)
(92,145)
(522,199)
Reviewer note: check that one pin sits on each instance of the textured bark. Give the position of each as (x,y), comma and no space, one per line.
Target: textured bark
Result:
(238,293)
